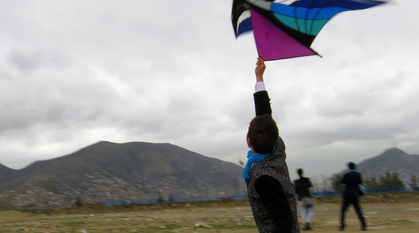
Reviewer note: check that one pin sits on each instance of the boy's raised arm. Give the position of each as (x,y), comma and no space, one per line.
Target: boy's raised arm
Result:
(260,69)
(262,105)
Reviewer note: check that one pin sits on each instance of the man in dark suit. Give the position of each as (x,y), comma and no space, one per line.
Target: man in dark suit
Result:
(352,179)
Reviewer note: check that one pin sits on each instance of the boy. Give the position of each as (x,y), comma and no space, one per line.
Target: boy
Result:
(302,186)
(270,190)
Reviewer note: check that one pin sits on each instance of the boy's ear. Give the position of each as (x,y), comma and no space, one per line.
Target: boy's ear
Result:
(249,144)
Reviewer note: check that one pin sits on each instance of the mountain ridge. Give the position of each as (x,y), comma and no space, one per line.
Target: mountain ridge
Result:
(119,171)
(392,160)
(108,171)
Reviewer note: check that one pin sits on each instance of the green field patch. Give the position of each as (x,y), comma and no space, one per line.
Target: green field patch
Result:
(245,226)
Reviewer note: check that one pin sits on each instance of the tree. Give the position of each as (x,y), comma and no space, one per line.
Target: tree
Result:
(337,185)
(372,184)
(414,183)
(241,162)
(78,201)
(160,199)
(387,181)
(396,182)
(170,198)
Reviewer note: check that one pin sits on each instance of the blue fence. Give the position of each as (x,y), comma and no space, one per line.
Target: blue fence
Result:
(240,196)
(152,201)
(391,190)
(324,193)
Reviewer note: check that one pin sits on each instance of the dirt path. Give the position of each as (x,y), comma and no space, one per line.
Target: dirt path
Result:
(383,218)
(211,217)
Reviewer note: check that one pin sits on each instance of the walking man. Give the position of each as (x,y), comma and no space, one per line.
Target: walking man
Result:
(352,179)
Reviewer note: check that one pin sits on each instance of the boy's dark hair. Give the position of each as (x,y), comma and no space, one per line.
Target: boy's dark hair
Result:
(351,166)
(300,171)
(263,134)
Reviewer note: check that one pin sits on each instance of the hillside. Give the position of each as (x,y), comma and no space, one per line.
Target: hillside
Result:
(110,171)
(392,160)
(6,173)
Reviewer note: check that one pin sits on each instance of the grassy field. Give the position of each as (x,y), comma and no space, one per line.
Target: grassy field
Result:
(390,212)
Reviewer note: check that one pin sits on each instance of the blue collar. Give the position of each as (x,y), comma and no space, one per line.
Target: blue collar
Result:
(253,158)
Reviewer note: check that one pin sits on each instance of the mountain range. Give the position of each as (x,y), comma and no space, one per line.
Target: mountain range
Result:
(391,160)
(109,171)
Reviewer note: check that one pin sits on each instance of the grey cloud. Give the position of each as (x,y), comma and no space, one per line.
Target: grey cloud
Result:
(32,61)
(78,72)
(23,62)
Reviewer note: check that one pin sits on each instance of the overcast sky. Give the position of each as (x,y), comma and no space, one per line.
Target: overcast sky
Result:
(73,73)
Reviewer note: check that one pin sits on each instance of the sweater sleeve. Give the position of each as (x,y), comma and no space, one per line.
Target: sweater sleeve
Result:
(275,203)
(262,104)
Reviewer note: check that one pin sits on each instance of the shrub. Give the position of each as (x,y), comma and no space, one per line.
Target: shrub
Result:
(79,202)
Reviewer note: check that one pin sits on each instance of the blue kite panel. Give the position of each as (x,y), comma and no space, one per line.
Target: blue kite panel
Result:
(348,4)
(245,26)
(305,13)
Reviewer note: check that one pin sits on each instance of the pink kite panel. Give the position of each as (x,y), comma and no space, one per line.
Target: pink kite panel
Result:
(272,43)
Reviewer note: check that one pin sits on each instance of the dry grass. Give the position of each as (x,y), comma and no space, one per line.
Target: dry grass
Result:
(385,213)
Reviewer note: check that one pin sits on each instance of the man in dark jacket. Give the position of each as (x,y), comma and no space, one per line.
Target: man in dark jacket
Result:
(352,179)
(270,190)
(305,200)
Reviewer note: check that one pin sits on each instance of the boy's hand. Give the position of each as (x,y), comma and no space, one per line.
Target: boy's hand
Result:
(260,69)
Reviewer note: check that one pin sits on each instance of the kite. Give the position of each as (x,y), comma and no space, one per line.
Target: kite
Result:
(287,31)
